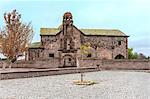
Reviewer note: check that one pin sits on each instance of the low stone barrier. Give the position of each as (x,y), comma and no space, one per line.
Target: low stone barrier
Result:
(95,63)
(85,65)
(117,64)
(43,72)
(126,64)
(33,64)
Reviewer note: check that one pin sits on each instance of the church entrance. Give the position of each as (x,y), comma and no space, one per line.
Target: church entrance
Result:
(69,61)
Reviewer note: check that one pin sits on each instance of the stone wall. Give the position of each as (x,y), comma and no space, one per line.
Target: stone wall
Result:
(87,62)
(115,64)
(107,47)
(34,54)
(126,64)
(43,72)
(33,64)
(93,63)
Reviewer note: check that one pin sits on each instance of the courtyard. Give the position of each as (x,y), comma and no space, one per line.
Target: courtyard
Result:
(110,85)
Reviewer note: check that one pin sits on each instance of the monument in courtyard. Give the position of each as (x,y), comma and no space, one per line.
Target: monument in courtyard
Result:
(62,44)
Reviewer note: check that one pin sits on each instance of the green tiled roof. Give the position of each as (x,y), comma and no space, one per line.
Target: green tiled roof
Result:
(106,32)
(49,31)
(35,45)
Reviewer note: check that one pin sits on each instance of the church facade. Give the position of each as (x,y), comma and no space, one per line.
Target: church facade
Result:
(68,44)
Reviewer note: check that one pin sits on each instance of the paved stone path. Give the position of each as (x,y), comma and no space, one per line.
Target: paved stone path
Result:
(111,85)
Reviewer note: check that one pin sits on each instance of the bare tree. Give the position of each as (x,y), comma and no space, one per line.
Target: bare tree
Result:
(15,36)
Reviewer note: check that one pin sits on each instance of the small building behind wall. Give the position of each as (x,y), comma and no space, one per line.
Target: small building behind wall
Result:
(65,41)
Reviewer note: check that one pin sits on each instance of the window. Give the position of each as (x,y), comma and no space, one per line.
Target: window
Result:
(119,42)
(51,55)
(89,55)
(38,55)
(69,59)
(119,57)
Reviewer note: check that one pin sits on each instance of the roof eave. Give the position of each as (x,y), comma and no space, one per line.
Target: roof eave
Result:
(51,34)
(107,35)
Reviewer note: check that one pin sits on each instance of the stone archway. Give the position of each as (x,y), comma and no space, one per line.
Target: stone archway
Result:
(69,61)
(119,57)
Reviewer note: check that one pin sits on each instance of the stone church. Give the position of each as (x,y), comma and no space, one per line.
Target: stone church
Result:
(64,44)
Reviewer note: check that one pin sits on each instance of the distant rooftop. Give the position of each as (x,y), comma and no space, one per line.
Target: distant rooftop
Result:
(49,31)
(35,45)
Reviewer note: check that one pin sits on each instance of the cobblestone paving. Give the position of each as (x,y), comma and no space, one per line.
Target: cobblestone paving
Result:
(111,85)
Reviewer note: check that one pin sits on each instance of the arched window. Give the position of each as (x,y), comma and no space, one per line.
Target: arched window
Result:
(119,57)
(89,55)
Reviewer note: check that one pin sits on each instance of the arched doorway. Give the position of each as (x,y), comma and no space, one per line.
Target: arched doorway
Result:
(69,61)
(119,57)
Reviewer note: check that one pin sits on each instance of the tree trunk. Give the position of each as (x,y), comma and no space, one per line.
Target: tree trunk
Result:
(81,77)
(3,65)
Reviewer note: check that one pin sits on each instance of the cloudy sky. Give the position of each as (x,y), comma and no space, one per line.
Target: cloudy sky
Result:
(130,16)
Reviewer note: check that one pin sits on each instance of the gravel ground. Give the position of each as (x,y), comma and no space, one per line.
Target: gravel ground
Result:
(110,85)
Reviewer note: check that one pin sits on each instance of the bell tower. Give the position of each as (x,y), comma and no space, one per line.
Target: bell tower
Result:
(68,42)
(67,23)
(68,51)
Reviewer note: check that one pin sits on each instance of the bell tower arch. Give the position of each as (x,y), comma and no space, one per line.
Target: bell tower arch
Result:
(67,23)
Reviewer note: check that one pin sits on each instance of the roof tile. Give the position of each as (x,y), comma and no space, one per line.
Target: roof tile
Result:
(35,45)
(106,32)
